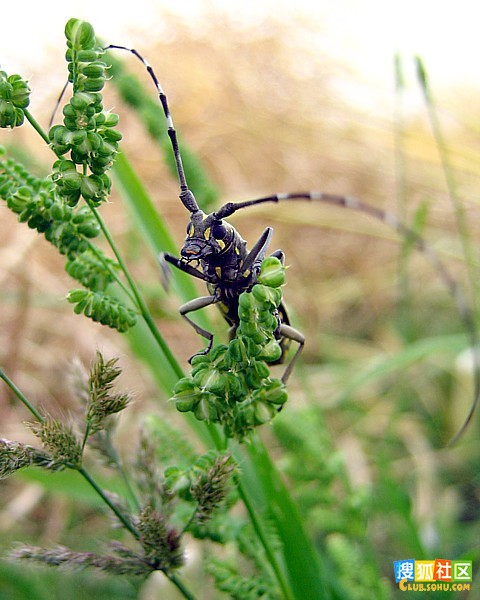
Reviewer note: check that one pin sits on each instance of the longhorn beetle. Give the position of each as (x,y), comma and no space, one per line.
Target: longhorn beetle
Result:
(215,252)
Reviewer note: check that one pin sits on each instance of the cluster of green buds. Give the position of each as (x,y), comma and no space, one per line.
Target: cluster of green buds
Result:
(231,385)
(35,203)
(14,98)
(88,136)
(70,230)
(102,309)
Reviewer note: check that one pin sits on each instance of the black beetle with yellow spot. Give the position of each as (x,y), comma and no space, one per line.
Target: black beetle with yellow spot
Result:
(215,252)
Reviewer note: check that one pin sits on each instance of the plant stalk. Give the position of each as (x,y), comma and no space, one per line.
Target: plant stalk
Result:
(147,317)
(257,525)
(23,399)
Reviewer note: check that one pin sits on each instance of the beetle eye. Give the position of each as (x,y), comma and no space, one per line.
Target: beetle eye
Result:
(219,231)
(190,229)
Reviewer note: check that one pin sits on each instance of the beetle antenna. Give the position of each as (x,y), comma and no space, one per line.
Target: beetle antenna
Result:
(464,309)
(57,104)
(186,195)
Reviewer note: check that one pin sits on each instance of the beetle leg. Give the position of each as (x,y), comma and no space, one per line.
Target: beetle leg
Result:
(257,253)
(291,333)
(166,257)
(280,254)
(197,304)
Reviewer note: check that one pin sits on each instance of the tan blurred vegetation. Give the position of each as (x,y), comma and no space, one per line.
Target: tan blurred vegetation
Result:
(262,110)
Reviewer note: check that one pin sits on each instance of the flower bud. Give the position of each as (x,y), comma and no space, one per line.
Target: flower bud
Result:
(263,413)
(94,84)
(265,294)
(272,272)
(261,369)
(185,395)
(206,409)
(94,69)
(271,352)
(86,55)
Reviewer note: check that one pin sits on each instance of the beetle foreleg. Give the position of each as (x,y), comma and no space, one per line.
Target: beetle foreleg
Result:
(257,253)
(166,257)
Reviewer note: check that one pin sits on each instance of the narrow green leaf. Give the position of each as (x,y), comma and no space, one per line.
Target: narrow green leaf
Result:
(72,485)
(413,353)
(152,227)
(309,573)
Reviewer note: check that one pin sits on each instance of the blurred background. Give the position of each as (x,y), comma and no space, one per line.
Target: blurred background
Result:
(276,97)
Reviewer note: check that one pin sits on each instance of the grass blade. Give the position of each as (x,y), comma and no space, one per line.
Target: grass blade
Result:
(308,572)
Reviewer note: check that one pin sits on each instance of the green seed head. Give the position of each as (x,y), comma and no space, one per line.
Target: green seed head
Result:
(272,272)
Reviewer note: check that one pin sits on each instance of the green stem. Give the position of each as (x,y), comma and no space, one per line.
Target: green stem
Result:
(138,298)
(257,525)
(81,470)
(85,436)
(403,280)
(128,525)
(117,462)
(180,586)
(109,268)
(36,126)
(121,517)
(44,136)
(222,444)
(21,396)
(448,174)
(128,484)
(284,585)
(147,317)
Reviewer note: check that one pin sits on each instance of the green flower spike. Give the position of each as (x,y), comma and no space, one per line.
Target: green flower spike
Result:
(14,98)
(231,385)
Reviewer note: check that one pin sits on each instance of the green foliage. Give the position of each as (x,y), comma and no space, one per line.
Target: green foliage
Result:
(70,230)
(34,201)
(229,581)
(86,145)
(14,98)
(321,539)
(44,583)
(357,570)
(93,269)
(172,490)
(103,309)
(229,573)
(168,504)
(88,135)
(336,512)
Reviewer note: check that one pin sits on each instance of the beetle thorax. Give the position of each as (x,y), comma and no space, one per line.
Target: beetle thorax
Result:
(213,242)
